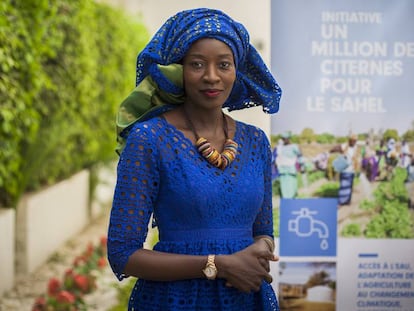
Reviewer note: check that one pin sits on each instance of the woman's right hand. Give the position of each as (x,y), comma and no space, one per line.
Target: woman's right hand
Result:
(246,269)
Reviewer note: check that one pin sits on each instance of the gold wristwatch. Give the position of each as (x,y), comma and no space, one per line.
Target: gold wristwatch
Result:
(210,271)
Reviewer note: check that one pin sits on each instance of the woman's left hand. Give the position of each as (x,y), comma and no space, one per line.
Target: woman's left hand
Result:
(246,269)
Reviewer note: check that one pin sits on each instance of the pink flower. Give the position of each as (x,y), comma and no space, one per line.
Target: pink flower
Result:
(103,241)
(102,262)
(82,283)
(77,280)
(53,287)
(80,260)
(39,304)
(69,272)
(89,249)
(65,297)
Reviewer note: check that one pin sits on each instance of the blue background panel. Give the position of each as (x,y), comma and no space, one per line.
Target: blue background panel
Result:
(308,227)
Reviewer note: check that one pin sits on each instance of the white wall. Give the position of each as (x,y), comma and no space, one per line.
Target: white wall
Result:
(7,244)
(48,218)
(254,15)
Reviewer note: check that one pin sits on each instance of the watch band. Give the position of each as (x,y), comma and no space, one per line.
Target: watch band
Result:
(210,271)
(210,260)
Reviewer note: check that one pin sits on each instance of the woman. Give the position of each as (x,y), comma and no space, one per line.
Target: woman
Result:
(405,154)
(346,165)
(288,159)
(203,176)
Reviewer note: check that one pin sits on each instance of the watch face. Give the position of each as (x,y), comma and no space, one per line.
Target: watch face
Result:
(210,271)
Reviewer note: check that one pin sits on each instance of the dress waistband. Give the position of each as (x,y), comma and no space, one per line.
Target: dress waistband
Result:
(204,234)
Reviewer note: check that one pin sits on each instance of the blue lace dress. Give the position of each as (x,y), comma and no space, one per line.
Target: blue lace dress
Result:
(199,209)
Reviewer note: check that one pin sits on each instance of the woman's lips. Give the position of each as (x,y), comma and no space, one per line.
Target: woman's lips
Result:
(211,93)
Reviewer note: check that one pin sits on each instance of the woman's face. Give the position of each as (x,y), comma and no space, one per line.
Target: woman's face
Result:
(209,73)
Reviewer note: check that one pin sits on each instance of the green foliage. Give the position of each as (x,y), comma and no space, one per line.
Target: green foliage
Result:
(295,139)
(21,78)
(394,190)
(391,203)
(276,223)
(341,140)
(389,208)
(352,230)
(408,136)
(328,190)
(393,222)
(124,291)
(367,205)
(390,133)
(276,187)
(325,138)
(307,135)
(64,68)
(314,176)
(273,139)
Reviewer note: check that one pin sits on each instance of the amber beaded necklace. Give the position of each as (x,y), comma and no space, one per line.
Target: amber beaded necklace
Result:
(220,160)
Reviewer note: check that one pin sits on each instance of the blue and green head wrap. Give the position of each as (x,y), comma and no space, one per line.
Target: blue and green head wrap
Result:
(159,76)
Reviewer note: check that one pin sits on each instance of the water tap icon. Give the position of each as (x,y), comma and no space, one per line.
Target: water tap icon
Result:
(304,225)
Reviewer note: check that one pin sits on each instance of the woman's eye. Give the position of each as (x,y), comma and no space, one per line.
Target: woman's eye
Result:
(197,65)
(225,65)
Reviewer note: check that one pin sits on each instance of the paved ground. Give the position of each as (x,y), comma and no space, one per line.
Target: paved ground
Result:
(27,288)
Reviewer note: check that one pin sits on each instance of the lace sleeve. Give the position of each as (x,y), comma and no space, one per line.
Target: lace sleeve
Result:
(263,224)
(135,193)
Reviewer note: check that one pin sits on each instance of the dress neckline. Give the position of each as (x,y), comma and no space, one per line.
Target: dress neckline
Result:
(189,142)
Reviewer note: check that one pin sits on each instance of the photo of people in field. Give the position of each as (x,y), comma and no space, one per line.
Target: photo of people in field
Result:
(371,175)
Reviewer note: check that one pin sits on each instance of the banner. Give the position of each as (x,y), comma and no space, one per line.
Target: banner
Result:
(343,163)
